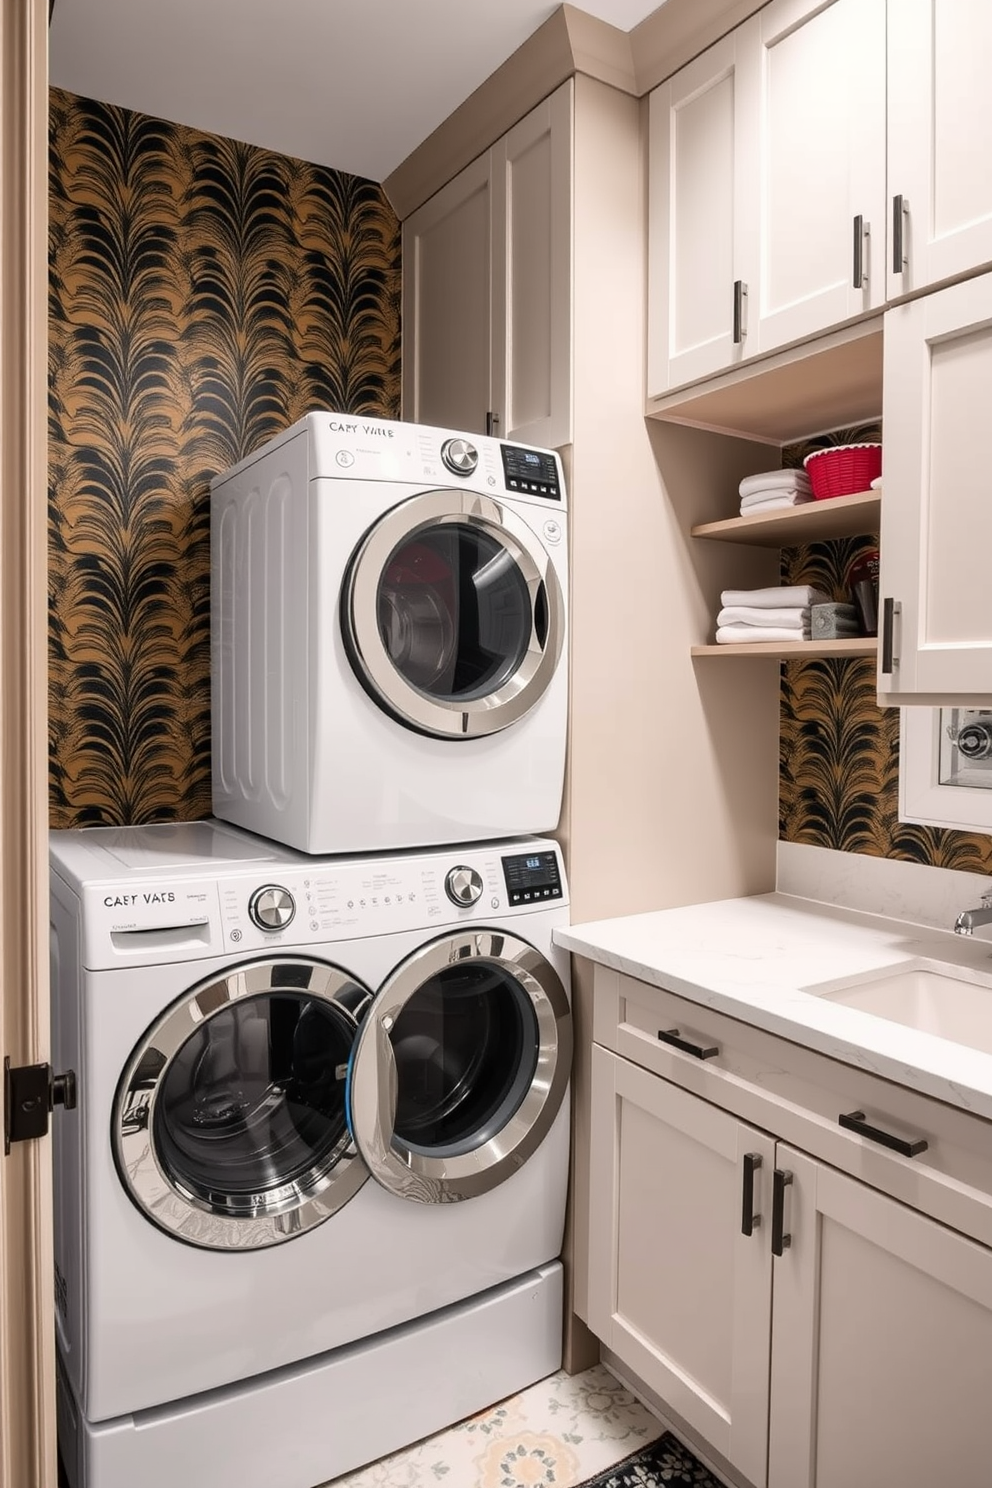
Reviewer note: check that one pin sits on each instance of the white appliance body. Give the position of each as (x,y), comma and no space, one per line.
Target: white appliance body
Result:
(171,1313)
(388,637)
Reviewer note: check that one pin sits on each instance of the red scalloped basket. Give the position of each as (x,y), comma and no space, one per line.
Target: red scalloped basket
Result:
(843,469)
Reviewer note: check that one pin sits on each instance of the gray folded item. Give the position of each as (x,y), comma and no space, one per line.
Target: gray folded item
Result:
(833,621)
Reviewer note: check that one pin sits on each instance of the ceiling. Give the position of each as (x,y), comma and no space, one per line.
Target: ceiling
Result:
(351,84)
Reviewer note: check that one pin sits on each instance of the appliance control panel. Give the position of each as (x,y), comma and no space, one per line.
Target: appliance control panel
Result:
(368,449)
(314,902)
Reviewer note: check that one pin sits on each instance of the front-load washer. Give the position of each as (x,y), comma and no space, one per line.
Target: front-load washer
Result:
(388,637)
(309,1205)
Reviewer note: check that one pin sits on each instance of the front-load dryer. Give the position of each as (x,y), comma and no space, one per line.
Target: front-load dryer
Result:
(310,1203)
(388,637)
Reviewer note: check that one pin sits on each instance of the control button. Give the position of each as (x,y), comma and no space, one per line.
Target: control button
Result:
(459,456)
(494,902)
(272,907)
(462,885)
(345,459)
(235,935)
(552,530)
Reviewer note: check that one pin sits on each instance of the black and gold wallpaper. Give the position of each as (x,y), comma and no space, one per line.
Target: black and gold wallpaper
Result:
(203,295)
(839,752)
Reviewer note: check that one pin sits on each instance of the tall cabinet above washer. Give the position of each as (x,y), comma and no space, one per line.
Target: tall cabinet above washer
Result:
(487,288)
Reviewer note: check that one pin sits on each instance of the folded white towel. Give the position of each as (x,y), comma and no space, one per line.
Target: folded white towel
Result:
(780,596)
(759,503)
(775,480)
(735,635)
(796,618)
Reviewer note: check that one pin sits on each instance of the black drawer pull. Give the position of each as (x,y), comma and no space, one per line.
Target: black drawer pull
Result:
(780,1182)
(671,1036)
(749,1220)
(856,1122)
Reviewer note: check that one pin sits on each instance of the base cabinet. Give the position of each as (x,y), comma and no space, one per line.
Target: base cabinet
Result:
(680,1293)
(881,1341)
(813,1330)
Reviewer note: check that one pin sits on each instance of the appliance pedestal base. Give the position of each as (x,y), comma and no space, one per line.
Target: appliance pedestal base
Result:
(309,1422)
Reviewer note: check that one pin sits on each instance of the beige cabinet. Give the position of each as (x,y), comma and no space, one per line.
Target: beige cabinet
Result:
(676,1288)
(936,630)
(881,1337)
(810,1296)
(816,89)
(767,188)
(939,127)
(487,288)
(698,215)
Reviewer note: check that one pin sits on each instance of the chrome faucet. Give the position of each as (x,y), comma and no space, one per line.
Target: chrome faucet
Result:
(968,918)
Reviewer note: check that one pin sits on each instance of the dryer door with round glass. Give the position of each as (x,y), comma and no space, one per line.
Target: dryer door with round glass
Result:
(452,615)
(461,1066)
(229,1124)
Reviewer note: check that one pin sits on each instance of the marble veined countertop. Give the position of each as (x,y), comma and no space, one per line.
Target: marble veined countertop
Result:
(753,958)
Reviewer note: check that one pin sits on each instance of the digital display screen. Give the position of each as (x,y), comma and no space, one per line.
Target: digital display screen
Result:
(532,877)
(534,472)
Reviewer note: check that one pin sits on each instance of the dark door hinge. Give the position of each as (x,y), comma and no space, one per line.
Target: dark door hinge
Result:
(30,1093)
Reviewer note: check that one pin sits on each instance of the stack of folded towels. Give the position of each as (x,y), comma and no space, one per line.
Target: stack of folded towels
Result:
(778,614)
(774,489)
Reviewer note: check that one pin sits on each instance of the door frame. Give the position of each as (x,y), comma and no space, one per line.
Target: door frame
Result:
(27,1310)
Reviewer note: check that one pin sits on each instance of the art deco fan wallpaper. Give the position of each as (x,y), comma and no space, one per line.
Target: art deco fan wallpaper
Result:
(203,295)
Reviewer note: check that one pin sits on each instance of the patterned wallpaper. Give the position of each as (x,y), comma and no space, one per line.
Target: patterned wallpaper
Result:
(203,295)
(839,752)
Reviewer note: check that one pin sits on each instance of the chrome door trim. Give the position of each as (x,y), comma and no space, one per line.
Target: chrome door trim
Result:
(470,717)
(373,1092)
(280,1214)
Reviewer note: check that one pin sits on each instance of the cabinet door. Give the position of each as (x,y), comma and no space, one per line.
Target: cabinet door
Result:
(820,102)
(676,1289)
(446,304)
(936,514)
(881,1341)
(532,276)
(700,209)
(939,126)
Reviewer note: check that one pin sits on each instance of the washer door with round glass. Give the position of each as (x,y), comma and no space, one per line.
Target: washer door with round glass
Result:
(452,615)
(461,1067)
(229,1124)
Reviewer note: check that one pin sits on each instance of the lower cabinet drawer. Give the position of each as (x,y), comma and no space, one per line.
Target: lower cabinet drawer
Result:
(922,1151)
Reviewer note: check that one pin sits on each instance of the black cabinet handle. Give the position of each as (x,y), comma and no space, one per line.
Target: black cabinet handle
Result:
(888,624)
(671,1036)
(780,1182)
(749,1220)
(899,205)
(856,1122)
(859,252)
(492,422)
(740,295)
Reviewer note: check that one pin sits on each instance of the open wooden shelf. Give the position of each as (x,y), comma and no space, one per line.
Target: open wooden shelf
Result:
(791,650)
(815,521)
(830,383)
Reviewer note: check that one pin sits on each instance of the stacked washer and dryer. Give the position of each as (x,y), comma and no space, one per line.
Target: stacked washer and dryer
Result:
(309,1207)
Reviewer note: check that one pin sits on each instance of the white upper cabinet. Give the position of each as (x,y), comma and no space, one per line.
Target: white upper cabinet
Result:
(936,631)
(447,273)
(939,138)
(767,188)
(487,288)
(818,81)
(699,210)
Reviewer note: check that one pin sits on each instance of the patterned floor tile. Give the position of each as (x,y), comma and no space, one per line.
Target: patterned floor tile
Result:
(562,1430)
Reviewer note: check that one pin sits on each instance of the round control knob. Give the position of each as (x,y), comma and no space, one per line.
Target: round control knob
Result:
(271,908)
(459,456)
(462,885)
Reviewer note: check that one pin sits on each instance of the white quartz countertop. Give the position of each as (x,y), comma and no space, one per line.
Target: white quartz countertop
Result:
(752,958)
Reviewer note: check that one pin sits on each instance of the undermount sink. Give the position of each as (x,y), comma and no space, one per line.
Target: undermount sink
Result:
(948,1001)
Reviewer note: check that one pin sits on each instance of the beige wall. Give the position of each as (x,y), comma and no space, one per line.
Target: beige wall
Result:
(672,794)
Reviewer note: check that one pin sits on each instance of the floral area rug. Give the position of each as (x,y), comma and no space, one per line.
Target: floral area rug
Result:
(567,1431)
(664,1461)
